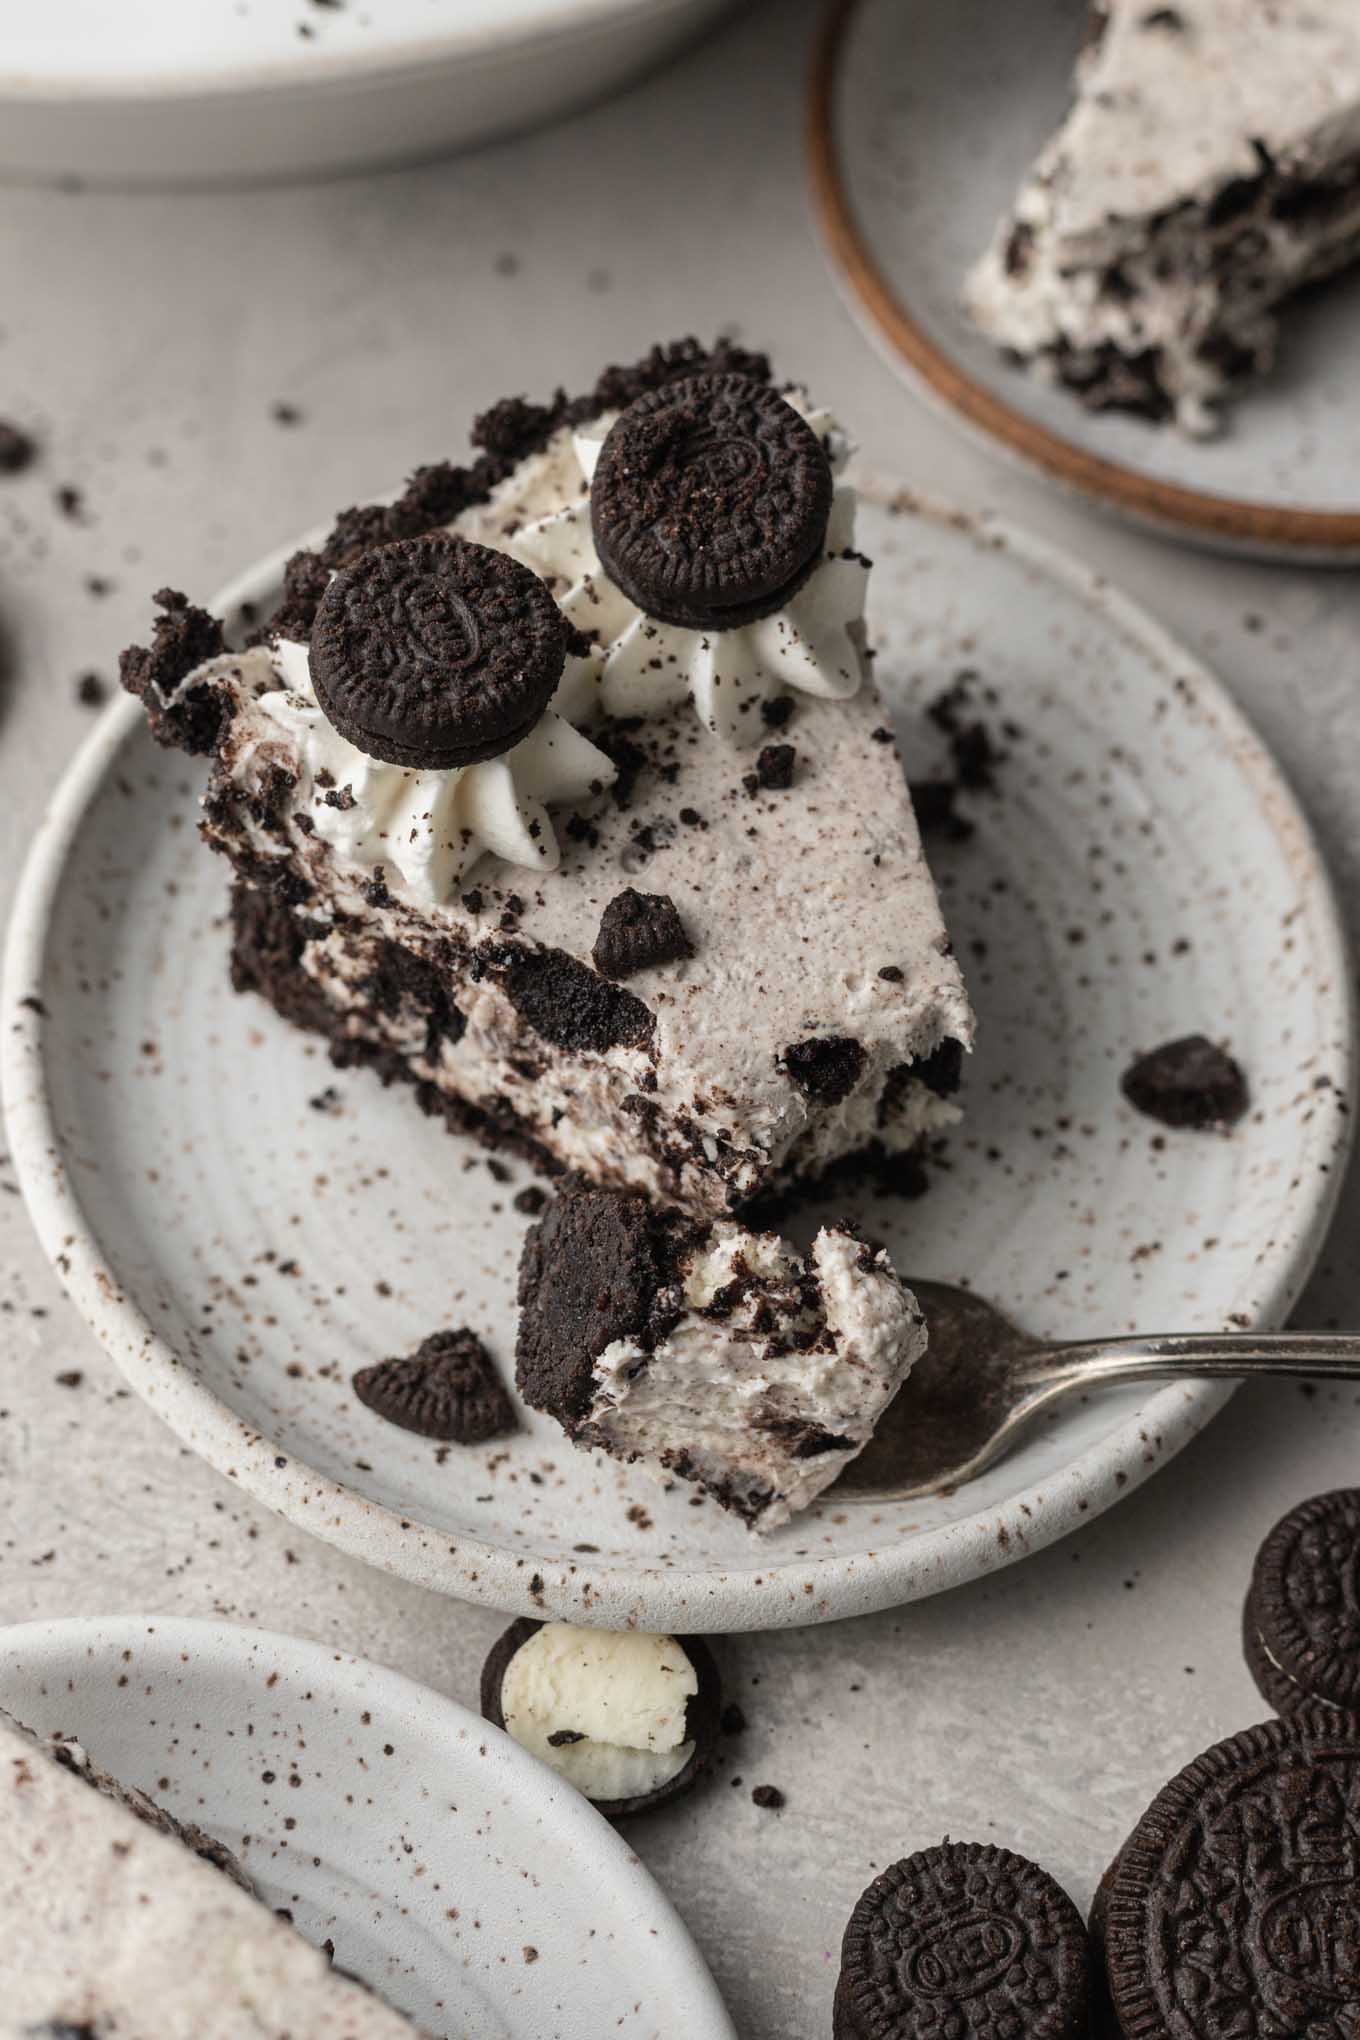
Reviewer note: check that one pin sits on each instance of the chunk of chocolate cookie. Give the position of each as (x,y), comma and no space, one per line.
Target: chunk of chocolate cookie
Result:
(447,1389)
(1187,1083)
(434,652)
(592,1271)
(1301,1625)
(827,1067)
(710,501)
(1233,1910)
(631,1720)
(18,449)
(964,1940)
(637,932)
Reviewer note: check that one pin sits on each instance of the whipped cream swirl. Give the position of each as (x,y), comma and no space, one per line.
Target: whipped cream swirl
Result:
(432,826)
(642,666)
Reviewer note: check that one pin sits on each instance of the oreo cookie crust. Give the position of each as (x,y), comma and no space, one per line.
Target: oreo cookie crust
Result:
(966,1941)
(702,1718)
(434,652)
(1233,1910)
(1301,1624)
(710,502)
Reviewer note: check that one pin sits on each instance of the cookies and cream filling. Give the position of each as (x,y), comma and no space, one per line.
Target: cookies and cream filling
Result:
(1209,167)
(606,1710)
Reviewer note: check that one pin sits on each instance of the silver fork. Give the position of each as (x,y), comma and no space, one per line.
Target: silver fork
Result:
(983,1382)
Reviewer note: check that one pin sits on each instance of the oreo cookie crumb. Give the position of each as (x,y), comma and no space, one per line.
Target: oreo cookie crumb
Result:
(891,974)
(774,767)
(182,639)
(827,1067)
(92,690)
(572,1007)
(768,1796)
(447,1389)
(1189,1083)
(777,711)
(18,449)
(70,502)
(638,931)
(733,1720)
(530,1200)
(281,413)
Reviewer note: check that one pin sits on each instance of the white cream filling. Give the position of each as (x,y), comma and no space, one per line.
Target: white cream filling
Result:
(432,826)
(642,666)
(606,1710)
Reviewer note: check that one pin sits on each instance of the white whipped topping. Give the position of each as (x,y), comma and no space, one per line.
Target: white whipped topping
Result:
(432,826)
(620,1698)
(643,666)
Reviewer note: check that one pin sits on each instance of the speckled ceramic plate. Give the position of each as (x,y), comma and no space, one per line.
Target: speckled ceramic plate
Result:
(430,1848)
(243,1228)
(164,92)
(922,122)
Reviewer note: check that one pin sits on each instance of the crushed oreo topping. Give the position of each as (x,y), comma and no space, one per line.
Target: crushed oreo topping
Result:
(710,501)
(827,1067)
(1188,1083)
(447,1389)
(639,931)
(774,767)
(433,653)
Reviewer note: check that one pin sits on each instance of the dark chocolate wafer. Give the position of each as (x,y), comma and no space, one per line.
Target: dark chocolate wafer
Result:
(434,652)
(966,1941)
(710,501)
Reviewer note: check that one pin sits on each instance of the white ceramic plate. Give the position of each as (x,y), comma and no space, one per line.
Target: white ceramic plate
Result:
(1142,871)
(199,1714)
(192,91)
(923,121)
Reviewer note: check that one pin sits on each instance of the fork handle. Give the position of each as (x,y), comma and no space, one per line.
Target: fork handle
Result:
(1197,1355)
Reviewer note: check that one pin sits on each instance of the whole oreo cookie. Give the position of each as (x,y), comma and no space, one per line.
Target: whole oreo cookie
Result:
(967,1941)
(434,652)
(1233,1910)
(710,501)
(1301,1626)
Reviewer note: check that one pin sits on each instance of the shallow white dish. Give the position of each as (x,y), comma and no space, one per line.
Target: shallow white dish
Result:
(922,121)
(425,1844)
(1141,872)
(163,91)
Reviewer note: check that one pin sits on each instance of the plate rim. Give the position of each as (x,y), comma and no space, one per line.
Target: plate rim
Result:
(745,1595)
(1301,536)
(325,69)
(522,1777)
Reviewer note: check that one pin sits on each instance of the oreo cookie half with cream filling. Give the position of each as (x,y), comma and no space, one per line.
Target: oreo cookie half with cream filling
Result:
(707,1353)
(512,828)
(1209,168)
(119,1920)
(1301,1624)
(630,1720)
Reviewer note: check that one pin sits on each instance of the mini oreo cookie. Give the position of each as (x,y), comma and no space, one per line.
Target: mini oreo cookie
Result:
(702,1718)
(1301,1624)
(447,1389)
(434,652)
(1233,1910)
(965,1940)
(710,501)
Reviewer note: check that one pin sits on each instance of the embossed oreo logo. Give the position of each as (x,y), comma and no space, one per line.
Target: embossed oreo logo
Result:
(1311,1935)
(711,455)
(964,1954)
(435,625)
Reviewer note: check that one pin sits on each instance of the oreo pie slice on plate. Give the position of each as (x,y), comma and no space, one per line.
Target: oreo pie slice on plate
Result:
(455,863)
